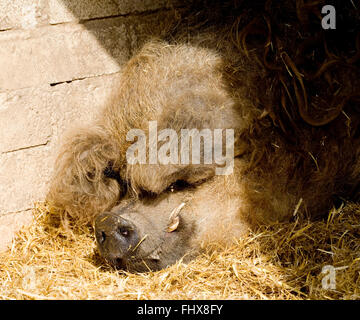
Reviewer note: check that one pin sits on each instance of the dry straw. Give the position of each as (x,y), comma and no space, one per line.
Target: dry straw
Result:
(52,260)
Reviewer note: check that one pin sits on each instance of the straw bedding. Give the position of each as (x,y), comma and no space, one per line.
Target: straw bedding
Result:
(52,260)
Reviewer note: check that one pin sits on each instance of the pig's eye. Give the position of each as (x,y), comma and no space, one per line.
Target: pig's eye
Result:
(145,194)
(125,232)
(178,186)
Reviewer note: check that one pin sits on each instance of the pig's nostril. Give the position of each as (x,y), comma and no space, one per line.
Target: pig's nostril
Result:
(101,237)
(119,263)
(125,232)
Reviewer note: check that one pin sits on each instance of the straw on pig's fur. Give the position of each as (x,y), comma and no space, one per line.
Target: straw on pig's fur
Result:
(282,261)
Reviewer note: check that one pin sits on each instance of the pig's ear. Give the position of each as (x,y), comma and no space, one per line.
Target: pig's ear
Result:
(174,218)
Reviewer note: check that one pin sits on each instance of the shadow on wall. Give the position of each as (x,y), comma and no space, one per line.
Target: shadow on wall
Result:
(118,25)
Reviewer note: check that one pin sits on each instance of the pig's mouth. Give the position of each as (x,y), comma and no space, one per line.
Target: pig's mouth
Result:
(135,265)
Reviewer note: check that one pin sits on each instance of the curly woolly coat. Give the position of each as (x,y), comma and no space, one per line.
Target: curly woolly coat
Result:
(269,71)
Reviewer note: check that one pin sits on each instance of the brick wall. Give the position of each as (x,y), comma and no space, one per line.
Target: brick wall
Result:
(58,63)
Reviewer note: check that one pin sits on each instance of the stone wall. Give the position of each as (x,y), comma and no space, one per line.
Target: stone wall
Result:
(58,63)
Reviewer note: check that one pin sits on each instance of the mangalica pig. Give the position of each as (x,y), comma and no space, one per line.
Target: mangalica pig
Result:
(243,112)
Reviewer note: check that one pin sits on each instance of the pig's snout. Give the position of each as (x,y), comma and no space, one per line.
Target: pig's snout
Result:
(116,238)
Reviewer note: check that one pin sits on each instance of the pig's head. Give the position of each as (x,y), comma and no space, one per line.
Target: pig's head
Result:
(146,234)
(153,232)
